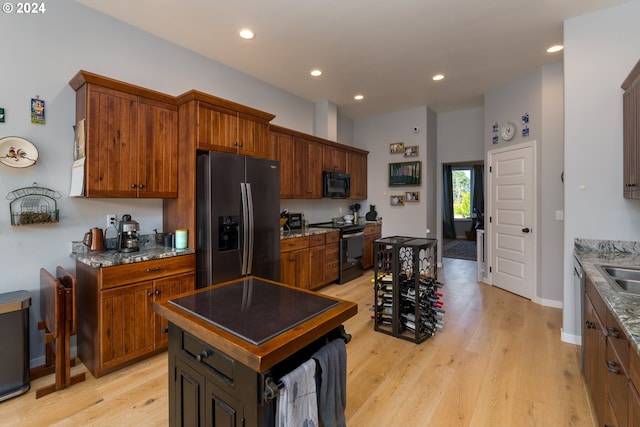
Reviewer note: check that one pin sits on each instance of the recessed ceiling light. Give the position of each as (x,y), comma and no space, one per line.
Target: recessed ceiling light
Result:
(438,77)
(246,34)
(555,48)
(358,97)
(316,73)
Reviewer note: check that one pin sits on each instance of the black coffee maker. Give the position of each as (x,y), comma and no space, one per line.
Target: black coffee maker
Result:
(127,235)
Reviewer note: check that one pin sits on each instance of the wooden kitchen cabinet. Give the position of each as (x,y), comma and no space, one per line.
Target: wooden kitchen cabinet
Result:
(332,257)
(594,342)
(115,308)
(371,234)
(631,133)
(304,157)
(307,172)
(310,262)
(316,260)
(334,159)
(131,138)
(357,168)
(210,123)
(294,262)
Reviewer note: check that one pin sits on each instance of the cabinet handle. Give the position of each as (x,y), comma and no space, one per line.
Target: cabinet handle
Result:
(203,355)
(614,371)
(149,294)
(612,332)
(149,270)
(157,292)
(133,186)
(165,330)
(610,363)
(141,185)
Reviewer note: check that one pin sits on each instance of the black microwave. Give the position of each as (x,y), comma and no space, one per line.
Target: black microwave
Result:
(336,185)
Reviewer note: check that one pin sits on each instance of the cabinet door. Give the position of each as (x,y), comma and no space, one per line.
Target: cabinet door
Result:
(634,406)
(367,254)
(294,268)
(334,159)
(111,127)
(126,323)
(283,146)
(158,149)
(631,138)
(594,356)
(221,409)
(316,267)
(307,175)
(217,129)
(189,386)
(253,139)
(357,168)
(165,288)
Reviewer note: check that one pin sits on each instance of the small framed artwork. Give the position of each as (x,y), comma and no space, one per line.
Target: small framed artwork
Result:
(411,151)
(405,173)
(396,148)
(396,200)
(412,196)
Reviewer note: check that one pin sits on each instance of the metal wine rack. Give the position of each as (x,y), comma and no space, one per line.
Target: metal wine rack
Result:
(408,301)
(33,205)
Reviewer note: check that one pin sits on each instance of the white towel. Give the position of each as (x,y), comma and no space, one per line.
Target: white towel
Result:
(298,401)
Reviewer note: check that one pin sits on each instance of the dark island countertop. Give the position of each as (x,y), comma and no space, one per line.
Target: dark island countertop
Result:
(293,318)
(625,306)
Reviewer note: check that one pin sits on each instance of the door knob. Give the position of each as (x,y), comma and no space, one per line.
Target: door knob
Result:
(526,230)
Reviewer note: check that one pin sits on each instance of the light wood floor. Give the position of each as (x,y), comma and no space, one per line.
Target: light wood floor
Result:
(498,362)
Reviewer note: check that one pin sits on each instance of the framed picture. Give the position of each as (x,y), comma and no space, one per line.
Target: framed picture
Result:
(411,151)
(405,173)
(412,196)
(396,148)
(396,200)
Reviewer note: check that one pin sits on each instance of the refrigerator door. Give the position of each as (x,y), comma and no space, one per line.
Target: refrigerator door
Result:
(238,205)
(263,180)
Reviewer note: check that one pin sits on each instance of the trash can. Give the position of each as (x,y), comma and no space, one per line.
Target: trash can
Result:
(14,336)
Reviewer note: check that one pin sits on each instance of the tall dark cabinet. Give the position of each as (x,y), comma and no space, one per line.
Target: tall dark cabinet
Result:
(408,301)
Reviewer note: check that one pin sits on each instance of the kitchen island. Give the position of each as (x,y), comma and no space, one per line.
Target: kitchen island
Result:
(230,343)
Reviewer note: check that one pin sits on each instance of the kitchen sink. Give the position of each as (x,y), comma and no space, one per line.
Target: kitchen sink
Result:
(622,279)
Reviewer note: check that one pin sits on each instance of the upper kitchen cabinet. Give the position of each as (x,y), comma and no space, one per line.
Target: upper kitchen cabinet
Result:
(303,158)
(357,168)
(222,125)
(631,133)
(131,138)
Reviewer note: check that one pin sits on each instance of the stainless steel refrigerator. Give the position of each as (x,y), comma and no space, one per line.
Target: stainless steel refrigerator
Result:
(238,213)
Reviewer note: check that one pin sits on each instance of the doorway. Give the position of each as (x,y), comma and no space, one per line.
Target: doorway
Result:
(512,220)
(462,208)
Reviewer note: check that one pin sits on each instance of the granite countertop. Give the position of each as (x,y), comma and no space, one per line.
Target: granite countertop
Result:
(625,306)
(292,234)
(110,258)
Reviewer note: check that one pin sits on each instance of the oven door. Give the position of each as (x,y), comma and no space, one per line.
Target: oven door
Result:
(351,248)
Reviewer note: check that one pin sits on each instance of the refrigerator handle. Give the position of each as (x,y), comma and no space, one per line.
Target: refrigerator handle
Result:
(251,228)
(245,227)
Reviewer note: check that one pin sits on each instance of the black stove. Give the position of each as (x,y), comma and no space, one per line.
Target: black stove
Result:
(351,249)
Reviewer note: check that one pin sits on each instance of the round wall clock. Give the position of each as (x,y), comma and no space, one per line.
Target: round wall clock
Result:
(508,131)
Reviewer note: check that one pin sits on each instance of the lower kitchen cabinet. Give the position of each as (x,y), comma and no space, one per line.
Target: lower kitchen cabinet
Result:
(332,257)
(594,342)
(316,260)
(371,234)
(117,325)
(310,262)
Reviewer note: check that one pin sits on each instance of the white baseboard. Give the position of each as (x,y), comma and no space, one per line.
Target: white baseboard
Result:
(570,338)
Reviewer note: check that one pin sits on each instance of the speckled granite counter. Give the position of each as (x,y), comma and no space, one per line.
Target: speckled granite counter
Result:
(112,257)
(624,305)
(292,234)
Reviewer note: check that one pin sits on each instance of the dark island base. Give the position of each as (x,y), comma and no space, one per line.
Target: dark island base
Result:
(209,388)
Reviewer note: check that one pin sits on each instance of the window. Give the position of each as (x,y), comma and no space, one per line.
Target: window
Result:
(461,180)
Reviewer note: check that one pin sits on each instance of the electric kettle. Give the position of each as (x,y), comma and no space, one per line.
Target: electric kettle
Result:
(94,240)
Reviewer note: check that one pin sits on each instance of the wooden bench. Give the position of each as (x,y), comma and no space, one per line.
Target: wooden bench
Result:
(59,321)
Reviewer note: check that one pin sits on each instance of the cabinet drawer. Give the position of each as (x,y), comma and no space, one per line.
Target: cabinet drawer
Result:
(372,229)
(316,240)
(222,365)
(332,237)
(146,270)
(332,252)
(596,299)
(617,386)
(331,271)
(287,245)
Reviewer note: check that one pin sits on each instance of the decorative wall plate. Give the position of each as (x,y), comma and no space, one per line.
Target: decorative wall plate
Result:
(17,152)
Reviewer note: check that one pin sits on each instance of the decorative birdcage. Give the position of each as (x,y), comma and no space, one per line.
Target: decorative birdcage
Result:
(33,205)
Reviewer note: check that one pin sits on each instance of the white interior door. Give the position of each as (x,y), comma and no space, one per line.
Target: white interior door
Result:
(513,218)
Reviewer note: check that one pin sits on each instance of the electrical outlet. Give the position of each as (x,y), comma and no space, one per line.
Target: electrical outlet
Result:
(111,220)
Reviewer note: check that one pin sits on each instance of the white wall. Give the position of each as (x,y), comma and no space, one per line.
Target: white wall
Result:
(40,54)
(601,48)
(460,139)
(375,134)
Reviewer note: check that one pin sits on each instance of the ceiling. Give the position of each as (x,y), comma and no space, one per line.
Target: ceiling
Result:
(387,50)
